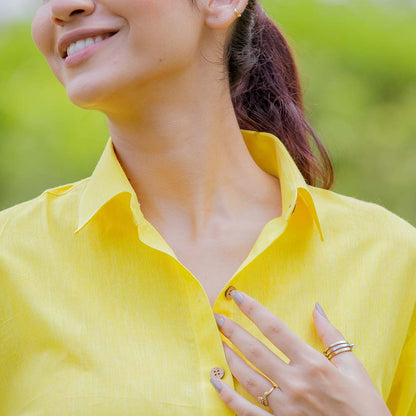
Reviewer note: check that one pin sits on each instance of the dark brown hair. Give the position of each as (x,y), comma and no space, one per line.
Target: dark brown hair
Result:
(266,91)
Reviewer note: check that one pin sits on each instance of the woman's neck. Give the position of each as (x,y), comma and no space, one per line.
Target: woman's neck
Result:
(188,164)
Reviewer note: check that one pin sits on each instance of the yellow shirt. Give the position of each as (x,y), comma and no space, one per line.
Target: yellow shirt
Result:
(98,316)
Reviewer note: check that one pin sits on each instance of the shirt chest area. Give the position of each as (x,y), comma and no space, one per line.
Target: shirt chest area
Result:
(129,336)
(133,332)
(112,351)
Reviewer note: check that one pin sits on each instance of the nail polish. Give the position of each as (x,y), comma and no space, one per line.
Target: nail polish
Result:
(220,320)
(216,383)
(237,296)
(320,310)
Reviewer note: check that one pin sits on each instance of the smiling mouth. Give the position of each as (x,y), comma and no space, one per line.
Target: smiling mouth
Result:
(86,42)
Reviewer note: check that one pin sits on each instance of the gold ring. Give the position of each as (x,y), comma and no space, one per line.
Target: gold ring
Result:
(345,349)
(263,399)
(236,12)
(335,344)
(337,348)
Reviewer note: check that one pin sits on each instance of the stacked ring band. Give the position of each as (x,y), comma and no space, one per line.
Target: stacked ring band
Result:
(263,399)
(337,348)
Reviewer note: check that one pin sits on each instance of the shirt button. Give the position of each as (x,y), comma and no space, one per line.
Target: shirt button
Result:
(228,291)
(217,372)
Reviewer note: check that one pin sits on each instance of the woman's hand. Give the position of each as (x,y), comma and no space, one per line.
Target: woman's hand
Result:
(309,385)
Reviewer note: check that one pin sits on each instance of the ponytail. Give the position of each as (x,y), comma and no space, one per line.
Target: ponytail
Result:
(266,91)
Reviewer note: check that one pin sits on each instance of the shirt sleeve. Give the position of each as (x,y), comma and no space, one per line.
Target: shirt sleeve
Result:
(402,398)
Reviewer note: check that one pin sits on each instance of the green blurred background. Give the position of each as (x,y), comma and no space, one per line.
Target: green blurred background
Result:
(357,61)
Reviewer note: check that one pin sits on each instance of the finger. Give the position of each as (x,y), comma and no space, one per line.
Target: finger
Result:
(254,350)
(238,404)
(272,327)
(252,381)
(347,362)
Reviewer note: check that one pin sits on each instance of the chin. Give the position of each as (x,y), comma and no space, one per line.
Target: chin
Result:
(87,96)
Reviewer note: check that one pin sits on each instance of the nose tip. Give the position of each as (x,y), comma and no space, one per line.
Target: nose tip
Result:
(63,11)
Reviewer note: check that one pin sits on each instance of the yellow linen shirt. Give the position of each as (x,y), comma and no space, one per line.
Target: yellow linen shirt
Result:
(98,316)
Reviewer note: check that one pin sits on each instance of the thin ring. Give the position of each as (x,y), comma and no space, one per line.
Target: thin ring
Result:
(339,347)
(236,12)
(263,399)
(334,345)
(345,349)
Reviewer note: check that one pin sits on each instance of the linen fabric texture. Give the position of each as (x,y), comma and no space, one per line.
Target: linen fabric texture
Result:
(99,317)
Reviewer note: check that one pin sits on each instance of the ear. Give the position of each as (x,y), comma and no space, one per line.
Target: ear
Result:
(220,13)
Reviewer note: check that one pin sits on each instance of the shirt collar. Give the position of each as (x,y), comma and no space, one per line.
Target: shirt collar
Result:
(109,180)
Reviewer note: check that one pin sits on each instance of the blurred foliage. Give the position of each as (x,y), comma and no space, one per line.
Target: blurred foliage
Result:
(357,62)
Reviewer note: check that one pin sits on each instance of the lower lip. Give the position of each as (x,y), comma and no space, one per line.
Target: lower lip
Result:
(85,53)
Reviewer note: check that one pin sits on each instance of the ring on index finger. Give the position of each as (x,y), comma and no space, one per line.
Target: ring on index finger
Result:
(337,348)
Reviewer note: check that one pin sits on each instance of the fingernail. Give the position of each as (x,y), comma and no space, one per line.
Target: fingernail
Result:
(219,319)
(237,296)
(320,310)
(216,383)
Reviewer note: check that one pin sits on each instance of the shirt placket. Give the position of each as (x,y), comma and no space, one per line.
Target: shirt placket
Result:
(211,353)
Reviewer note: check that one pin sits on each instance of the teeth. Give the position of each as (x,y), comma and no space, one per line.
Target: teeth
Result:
(89,42)
(81,44)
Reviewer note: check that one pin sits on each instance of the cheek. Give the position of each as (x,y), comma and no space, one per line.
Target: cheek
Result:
(42,31)
(163,28)
(43,34)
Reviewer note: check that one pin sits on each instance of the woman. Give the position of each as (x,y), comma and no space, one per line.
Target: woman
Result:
(204,199)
